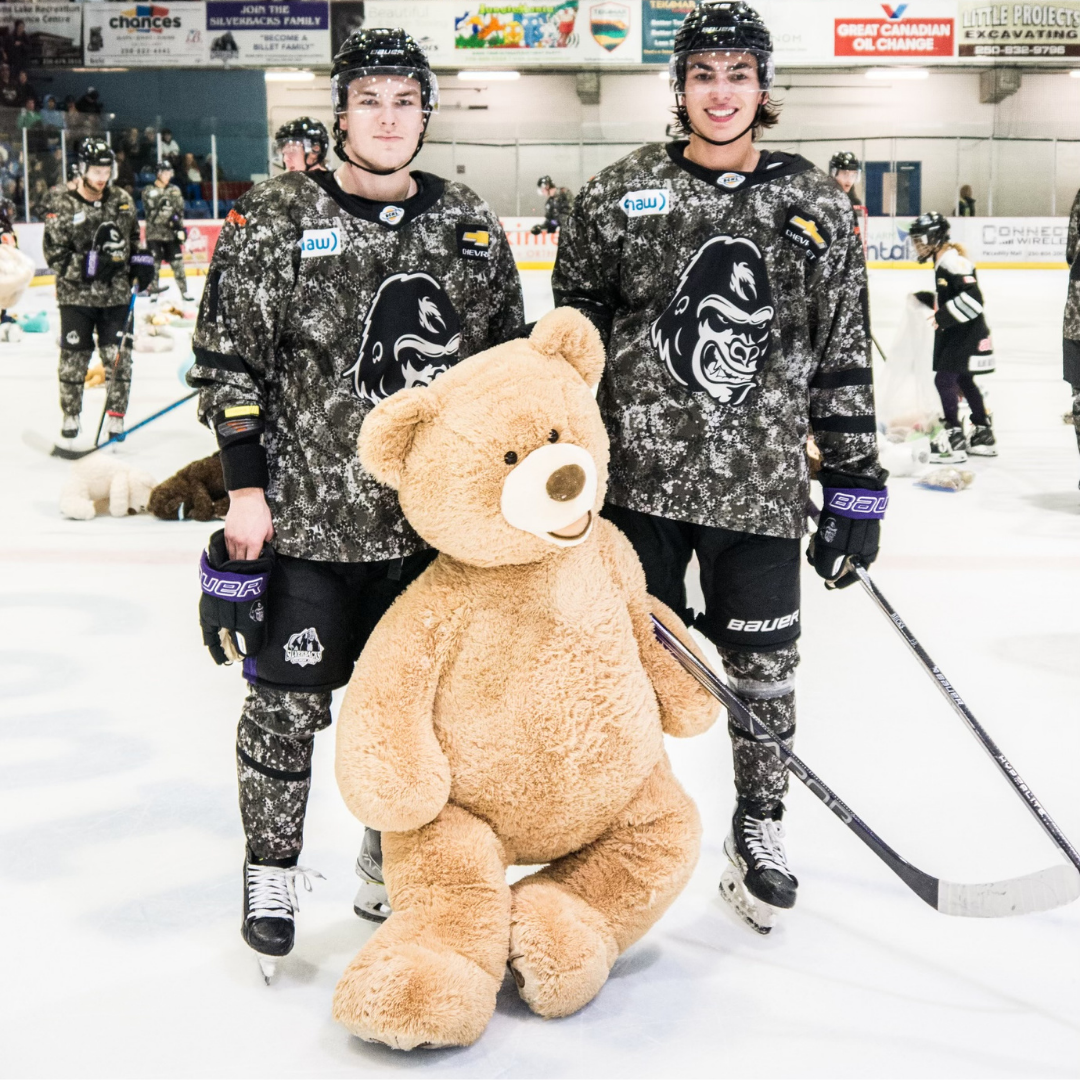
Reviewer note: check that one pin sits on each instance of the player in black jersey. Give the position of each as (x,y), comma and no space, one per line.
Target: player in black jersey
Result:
(730,289)
(327,292)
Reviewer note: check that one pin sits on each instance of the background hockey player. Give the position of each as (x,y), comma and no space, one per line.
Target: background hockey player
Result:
(1071,329)
(557,205)
(962,345)
(729,286)
(302,144)
(327,292)
(91,235)
(163,205)
(845,169)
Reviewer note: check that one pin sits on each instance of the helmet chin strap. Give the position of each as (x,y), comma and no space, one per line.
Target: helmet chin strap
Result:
(339,146)
(722,142)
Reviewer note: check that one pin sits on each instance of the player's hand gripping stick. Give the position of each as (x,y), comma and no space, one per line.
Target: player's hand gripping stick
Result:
(848,532)
(232,611)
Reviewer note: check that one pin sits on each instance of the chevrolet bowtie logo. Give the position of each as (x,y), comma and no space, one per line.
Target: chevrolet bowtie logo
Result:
(810,228)
(480,239)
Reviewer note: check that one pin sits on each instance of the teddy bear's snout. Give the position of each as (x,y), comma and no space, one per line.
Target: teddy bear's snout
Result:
(550,493)
(566,483)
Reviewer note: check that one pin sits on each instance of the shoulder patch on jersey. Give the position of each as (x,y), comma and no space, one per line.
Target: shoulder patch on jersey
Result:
(236,219)
(125,206)
(646,201)
(52,215)
(474,241)
(731,180)
(807,233)
(314,243)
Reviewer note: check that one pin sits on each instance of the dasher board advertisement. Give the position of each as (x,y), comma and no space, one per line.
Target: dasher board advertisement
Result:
(54,30)
(1019,31)
(274,32)
(152,35)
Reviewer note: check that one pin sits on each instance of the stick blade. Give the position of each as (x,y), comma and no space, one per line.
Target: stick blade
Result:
(1048,889)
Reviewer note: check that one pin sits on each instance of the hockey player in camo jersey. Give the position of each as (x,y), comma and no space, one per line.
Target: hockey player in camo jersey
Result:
(328,292)
(730,288)
(91,244)
(163,204)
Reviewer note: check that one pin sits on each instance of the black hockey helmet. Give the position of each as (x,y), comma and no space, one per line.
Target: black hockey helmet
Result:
(728,26)
(7,210)
(94,150)
(545,181)
(380,51)
(307,131)
(164,165)
(844,161)
(930,229)
(74,170)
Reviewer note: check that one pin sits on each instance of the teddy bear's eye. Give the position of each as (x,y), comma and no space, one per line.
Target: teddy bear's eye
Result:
(553,436)
(510,457)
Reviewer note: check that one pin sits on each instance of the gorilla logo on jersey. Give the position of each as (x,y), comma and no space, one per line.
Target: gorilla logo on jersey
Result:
(411,334)
(714,335)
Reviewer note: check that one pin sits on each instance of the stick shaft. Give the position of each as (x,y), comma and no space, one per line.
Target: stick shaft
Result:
(950,694)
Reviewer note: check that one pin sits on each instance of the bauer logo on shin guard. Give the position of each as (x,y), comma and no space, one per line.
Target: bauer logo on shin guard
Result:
(763,626)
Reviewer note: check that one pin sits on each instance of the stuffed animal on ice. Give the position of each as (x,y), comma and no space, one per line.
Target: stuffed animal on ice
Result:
(110,483)
(16,273)
(197,491)
(510,707)
(152,335)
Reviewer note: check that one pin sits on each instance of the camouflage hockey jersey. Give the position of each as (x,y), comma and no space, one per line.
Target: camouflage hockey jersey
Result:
(1071,329)
(557,209)
(734,310)
(71,226)
(319,304)
(164,210)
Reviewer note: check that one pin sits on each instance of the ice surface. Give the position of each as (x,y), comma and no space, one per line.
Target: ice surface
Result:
(121,844)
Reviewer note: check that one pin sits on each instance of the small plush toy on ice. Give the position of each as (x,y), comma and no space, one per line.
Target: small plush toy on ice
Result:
(109,483)
(510,708)
(197,491)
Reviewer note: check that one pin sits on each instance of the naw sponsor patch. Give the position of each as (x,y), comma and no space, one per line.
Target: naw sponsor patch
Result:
(474,242)
(807,233)
(315,243)
(647,201)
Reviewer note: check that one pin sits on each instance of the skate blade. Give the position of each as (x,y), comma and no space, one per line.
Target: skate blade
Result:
(371,901)
(268,967)
(755,913)
(989,452)
(378,916)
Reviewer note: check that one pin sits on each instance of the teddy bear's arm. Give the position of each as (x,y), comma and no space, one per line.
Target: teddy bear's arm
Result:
(391,770)
(685,708)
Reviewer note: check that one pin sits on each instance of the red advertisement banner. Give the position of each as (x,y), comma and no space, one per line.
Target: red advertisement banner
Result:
(888,38)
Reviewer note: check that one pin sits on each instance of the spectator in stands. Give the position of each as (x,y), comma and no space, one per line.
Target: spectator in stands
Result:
(170,149)
(51,116)
(89,103)
(19,47)
(9,90)
(125,172)
(78,125)
(25,87)
(39,199)
(967,202)
(132,145)
(191,177)
(28,115)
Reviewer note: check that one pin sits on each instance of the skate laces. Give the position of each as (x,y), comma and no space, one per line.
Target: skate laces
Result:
(765,840)
(272,890)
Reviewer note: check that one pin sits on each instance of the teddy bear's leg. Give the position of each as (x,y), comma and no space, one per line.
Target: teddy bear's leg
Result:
(572,919)
(119,494)
(429,975)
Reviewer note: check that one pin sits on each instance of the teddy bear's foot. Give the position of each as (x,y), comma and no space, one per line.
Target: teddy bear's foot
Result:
(409,996)
(560,949)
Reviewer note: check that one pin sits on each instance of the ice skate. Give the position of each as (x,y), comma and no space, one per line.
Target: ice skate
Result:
(757,882)
(270,906)
(982,442)
(69,430)
(948,447)
(114,427)
(186,296)
(371,901)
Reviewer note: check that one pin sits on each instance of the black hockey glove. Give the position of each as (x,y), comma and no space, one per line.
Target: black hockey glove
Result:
(536,230)
(848,531)
(176,223)
(927,299)
(106,256)
(232,609)
(141,271)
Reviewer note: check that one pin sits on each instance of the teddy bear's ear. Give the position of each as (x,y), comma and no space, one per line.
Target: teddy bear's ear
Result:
(387,433)
(569,335)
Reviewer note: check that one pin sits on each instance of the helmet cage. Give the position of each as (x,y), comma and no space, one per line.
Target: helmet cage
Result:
(680,62)
(425,77)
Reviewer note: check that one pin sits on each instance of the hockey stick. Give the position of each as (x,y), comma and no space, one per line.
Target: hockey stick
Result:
(37,442)
(129,326)
(1042,891)
(965,714)
(881,351)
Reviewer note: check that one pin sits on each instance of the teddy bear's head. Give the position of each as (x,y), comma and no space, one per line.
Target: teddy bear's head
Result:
(503,458)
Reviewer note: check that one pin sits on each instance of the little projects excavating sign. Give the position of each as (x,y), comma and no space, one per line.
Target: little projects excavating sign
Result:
(1019,30)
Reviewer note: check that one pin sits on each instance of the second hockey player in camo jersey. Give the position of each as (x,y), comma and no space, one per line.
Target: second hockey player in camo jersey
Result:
(328,291)
(163,206)
(730,288)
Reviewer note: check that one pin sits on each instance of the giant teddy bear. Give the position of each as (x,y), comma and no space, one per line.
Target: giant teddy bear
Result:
(510,707)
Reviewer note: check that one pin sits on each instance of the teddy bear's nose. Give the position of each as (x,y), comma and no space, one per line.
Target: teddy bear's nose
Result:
(566,483)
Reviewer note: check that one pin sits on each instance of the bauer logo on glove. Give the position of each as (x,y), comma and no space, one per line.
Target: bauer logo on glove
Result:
(231,609)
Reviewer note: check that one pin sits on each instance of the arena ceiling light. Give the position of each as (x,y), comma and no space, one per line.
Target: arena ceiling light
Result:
(898,73)
(1075,73)
(289,76)
(488,76)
